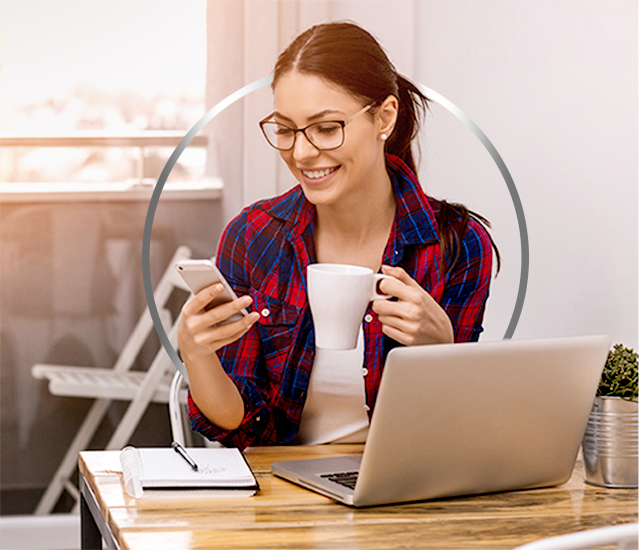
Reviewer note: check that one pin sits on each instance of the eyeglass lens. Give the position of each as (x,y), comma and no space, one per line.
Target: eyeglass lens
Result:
(323,135)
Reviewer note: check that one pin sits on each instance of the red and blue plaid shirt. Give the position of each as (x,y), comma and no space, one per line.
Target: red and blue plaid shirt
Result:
(264,252)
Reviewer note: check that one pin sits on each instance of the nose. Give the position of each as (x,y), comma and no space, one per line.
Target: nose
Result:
(302,148)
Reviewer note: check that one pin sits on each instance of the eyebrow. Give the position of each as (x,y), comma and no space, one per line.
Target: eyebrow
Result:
(316,116)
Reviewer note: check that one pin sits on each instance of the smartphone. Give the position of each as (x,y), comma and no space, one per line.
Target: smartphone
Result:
(198,274)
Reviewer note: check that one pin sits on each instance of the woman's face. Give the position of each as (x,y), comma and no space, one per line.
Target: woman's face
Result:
(328,176)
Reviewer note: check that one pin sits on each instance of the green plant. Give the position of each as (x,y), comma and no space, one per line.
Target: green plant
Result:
(619,377)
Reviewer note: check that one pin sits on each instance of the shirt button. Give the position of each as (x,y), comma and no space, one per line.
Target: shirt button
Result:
(368,317)
(364,371)
(266,312)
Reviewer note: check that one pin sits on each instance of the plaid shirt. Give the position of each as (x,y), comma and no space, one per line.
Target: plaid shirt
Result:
(264,252)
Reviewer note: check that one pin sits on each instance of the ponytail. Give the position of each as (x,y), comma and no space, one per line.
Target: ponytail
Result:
(412,108)
(452,219)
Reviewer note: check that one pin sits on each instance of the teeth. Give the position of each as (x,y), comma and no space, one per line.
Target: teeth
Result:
(318,173)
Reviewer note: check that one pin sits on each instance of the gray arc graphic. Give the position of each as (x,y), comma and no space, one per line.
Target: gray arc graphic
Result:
(148,224)
(514,195)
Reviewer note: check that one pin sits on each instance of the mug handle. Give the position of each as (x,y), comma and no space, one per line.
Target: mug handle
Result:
(376,295)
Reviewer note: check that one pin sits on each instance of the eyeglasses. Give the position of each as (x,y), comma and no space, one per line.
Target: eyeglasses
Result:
(325,135)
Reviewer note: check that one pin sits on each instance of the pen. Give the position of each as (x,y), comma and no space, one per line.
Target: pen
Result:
(182,452)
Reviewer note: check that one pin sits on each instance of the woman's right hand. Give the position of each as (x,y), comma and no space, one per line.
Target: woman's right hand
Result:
(200,333)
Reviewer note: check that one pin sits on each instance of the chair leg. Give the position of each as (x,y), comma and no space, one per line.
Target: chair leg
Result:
(175,412)
(70,460)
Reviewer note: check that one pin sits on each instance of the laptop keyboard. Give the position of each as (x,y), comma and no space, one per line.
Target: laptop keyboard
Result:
(347,479)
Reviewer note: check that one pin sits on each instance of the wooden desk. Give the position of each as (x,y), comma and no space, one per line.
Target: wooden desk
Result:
(283,515)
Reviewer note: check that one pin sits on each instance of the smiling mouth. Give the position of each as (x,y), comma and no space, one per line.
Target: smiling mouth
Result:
(317,174)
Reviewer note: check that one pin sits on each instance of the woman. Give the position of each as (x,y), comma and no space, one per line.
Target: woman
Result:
(344,123)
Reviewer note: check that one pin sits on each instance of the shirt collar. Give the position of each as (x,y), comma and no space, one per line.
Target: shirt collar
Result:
(414,217)
(293,209)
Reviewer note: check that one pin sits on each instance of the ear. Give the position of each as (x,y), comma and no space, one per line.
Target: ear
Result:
(387,116)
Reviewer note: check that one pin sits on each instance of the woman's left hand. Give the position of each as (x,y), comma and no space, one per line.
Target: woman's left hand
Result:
(415,318)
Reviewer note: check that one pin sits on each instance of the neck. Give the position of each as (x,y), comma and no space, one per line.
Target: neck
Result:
(356,231)
(358,219)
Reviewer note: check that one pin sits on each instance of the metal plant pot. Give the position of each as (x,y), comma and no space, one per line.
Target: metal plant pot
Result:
(610,443)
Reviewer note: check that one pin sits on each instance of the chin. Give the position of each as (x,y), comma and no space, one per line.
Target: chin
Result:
(319,197)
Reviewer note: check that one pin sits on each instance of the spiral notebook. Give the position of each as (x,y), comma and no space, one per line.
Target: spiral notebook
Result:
(225,471)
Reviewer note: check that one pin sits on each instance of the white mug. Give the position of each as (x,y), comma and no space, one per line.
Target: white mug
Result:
(339,295)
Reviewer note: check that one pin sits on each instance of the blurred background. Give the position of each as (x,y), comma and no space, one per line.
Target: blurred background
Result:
(94,97)
(96,94)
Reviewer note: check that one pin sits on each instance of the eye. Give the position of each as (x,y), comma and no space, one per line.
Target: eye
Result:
(283,131)
(326,129)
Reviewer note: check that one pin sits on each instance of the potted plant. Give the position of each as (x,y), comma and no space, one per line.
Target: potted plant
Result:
(610,442)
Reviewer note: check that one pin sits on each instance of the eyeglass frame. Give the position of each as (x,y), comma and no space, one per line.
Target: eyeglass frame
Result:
(342,123)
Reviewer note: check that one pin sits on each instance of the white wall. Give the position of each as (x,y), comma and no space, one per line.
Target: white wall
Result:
(553,85)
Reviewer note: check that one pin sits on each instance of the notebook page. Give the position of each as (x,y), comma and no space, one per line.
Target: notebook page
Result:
(216,468)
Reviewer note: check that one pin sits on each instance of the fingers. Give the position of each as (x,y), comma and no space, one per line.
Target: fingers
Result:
(400,274)
(401,286)
(433,327)
(200,305)
(198,338)
(219,315)
(202,299)
(407,308)
(416,317)
(204,331)
(411,299)
(404,338)
(218,336)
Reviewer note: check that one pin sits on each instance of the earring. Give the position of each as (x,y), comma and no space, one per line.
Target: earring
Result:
(384,137)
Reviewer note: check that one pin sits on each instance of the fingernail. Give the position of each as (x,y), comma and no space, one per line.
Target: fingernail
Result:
(245,300)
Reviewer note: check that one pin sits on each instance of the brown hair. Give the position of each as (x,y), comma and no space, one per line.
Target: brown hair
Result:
(347,55)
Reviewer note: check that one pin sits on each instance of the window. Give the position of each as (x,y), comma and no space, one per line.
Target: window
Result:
(99,93)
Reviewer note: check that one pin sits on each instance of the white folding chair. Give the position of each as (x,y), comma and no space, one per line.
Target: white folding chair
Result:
(625,536)
(117,383)
(176,405)
(180,430)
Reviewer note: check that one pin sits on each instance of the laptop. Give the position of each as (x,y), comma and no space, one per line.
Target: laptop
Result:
(464,419)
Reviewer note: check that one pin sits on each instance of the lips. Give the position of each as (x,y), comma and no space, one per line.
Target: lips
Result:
(318,175)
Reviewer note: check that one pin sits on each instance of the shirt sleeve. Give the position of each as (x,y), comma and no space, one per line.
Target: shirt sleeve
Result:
(466,292)
(242,359)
